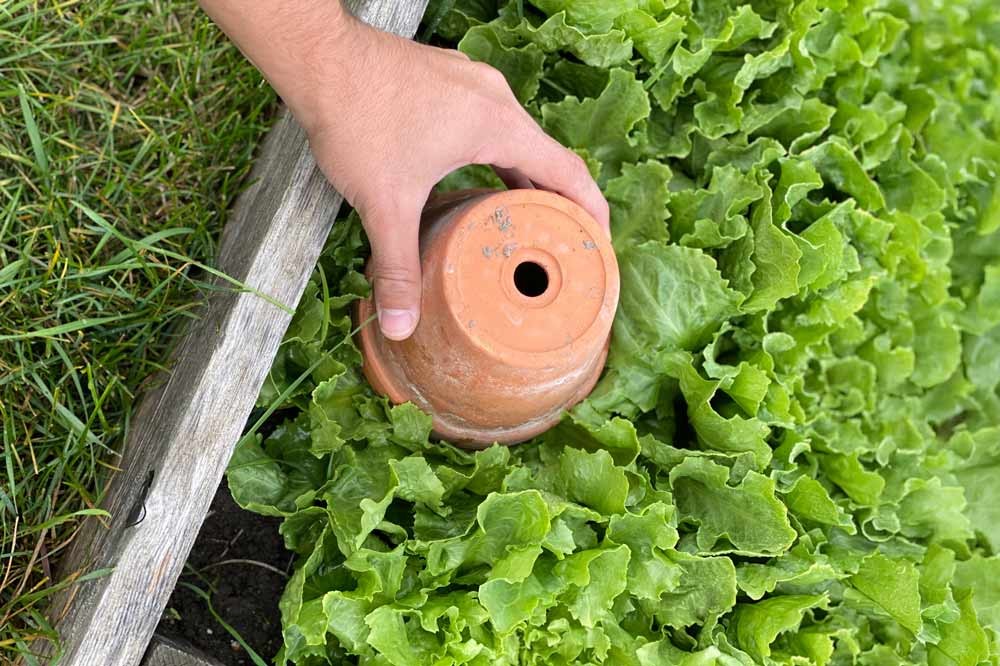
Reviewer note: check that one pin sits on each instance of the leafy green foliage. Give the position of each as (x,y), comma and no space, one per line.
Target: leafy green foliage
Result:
(792,456)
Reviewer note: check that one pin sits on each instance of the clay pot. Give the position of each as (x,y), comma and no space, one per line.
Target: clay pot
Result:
(519,293)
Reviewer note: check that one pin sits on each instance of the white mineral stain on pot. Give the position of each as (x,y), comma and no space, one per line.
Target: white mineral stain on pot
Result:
(501,216)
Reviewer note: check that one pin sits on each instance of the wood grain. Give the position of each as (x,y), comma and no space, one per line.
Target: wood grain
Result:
(165,652)
(184,431)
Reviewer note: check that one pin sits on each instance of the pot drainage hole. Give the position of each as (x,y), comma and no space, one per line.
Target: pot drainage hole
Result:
(531,279)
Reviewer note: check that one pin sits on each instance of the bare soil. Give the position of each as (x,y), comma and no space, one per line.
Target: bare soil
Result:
(233,559)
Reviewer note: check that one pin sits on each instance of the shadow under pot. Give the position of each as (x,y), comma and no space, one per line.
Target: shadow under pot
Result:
(520,289)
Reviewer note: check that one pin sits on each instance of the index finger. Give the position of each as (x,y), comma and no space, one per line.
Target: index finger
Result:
(549,165)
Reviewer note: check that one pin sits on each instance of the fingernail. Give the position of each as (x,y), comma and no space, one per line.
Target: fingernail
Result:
(396,324)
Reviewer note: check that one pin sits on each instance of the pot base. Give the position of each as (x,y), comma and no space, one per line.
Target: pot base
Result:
(519,292)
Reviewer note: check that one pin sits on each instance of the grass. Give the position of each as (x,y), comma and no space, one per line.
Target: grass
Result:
(126,130)
(207,598)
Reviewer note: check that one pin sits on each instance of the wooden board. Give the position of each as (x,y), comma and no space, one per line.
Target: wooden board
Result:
(166,652)
(184,431)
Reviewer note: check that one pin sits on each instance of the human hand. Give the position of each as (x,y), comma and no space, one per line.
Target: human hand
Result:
(403,117)
(388,118)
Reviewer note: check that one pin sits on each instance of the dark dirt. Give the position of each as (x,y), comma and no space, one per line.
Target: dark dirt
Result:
(244,593)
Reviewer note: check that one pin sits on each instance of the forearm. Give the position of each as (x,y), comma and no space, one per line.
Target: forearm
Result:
(302,47)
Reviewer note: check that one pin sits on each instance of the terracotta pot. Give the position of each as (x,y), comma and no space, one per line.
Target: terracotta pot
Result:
(519,293)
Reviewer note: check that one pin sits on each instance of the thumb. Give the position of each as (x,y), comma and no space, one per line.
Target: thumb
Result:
(396,275)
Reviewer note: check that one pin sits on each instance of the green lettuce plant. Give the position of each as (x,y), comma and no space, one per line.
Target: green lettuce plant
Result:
(794,454)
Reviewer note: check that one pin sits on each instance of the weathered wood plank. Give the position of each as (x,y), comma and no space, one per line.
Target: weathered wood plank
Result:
(166,652)
(184,431)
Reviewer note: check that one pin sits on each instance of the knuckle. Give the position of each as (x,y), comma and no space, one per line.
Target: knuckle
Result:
(493,108)
(491,76)
(576,172)
(576,164)
(397,278)
(517,122)
(501,115)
